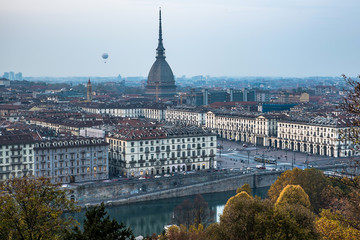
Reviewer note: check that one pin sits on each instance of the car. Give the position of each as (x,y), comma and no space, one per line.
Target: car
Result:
(167,175)
(142,178)
(157,176)
(260,167)
(244,145)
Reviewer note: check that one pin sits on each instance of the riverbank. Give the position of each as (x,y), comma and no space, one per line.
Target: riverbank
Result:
(126,192)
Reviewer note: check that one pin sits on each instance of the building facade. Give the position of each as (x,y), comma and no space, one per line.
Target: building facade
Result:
(71,160)
(319,136)
(143,152)
(16,156)
(245,128)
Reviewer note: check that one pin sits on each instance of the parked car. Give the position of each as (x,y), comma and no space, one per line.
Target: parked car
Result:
(157,176)
(167,175)
(142,178)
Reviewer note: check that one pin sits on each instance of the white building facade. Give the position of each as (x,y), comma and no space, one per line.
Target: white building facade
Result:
(161,151)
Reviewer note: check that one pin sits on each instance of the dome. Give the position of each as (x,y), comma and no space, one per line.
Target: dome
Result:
(161,80)
(161,73)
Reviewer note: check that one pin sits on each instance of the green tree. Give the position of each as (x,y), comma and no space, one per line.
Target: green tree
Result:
(293,194)
(31,208)
(246,188)
(313,181)
(98,226)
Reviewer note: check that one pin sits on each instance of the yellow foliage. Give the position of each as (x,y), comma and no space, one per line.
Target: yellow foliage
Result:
(333,229)
(241,195)
(293,194)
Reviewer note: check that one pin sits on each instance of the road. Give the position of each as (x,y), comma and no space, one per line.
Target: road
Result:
(235,155)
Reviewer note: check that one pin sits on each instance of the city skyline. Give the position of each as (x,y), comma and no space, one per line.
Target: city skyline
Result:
(217,38)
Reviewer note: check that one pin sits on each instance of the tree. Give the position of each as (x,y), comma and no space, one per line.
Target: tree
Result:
(31,208)
(98,226)
(351,105)
(183,213)
(201,211)
(293,194)
(181,233)
(248,218)
(197,212)
(246,188)
(332,225)
(313,181)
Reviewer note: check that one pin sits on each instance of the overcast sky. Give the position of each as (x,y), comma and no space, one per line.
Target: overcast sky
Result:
(212,37)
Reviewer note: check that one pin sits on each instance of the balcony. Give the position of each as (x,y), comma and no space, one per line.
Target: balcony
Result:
(16,148)
(212,155)
(141,161)
(16,156)
(163,159)
(16,163)
(152,160)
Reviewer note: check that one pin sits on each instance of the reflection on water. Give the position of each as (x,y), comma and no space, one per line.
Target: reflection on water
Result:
(150,217)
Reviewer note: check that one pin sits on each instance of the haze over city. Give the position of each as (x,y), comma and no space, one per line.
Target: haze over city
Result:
(219,38)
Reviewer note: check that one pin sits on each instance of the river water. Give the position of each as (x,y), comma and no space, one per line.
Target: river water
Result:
(146,218)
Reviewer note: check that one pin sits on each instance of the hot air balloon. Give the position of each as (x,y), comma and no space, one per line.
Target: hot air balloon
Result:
(105,56)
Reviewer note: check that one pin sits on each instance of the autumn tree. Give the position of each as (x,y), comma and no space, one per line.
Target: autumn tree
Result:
(182,233)
(31,208)
(313,181)
(245,218)
(332,225)
(98,226)
(246,188)
(293,194)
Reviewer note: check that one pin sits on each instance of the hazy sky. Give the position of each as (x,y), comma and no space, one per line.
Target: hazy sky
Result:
(212,37)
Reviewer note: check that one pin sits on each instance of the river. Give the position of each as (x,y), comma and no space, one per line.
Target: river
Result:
(146,218)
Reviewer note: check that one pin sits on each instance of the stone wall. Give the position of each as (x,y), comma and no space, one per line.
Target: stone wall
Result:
(128,191)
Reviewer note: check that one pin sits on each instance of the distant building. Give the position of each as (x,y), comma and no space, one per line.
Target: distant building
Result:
(4,82)
(6,75)
(71,160)
(89,92)
(16,156)
(18,76)
(161,81)
(11,76)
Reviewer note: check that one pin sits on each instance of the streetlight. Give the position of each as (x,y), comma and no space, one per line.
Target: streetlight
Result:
(307,160)
(263,158)
(248,152)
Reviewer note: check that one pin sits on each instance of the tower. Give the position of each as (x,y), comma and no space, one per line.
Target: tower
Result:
(89,92)
(160,82)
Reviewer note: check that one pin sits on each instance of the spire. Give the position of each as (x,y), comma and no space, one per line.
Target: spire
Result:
(160,50)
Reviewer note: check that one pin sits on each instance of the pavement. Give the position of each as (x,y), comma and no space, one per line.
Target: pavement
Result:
(237,155)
